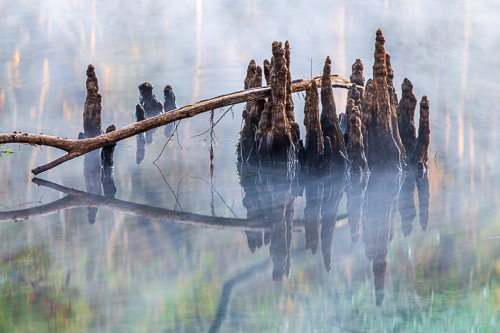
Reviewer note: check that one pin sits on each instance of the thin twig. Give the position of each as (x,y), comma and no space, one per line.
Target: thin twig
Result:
(219,196)
(173,193)
(194,136)
(178,142)
(179,186)
(171,135)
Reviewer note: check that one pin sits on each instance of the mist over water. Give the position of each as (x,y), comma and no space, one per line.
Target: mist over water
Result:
(132,270)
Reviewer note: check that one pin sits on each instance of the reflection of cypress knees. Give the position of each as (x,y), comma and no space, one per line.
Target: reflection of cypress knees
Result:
(277,199)
(92,175)
(140,138)
(152,106)
(379,270)
(254,239)
(251,114)
(421,152)
(378,219)
(107,152)
(423,200)
(92,110)
(277,132)
(314,145)
(355,198)
(406,204)
(333,191)
(312,213)
(356,149)
(329,121)
(406,115)
(251,202)
(383,150)
(108,182)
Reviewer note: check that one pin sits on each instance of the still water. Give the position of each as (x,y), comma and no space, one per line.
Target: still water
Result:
(245,249)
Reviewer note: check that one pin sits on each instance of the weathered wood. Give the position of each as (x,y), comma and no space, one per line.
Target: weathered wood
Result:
(379,116)
(92,110)
(76,148)
(314,145)
(330,121)
(421,152)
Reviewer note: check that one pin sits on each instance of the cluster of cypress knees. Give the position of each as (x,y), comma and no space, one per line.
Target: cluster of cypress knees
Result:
(376,132)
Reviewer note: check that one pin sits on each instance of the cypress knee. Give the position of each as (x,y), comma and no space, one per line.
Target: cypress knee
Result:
(92,110)
(329,119)
(421,152)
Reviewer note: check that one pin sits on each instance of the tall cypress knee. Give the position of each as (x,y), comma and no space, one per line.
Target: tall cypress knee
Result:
(421,152)
(329,119)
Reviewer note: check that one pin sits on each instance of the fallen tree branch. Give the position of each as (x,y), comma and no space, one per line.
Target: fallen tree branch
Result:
(76,148)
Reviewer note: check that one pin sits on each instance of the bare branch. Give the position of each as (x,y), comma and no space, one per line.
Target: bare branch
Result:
(76,148)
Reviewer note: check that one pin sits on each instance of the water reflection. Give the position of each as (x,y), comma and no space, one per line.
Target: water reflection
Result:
(372,201)
(269,194)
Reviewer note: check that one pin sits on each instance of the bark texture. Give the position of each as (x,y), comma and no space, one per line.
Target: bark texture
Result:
(278,134)
(314,145)
(251,115)
(357,73)
(329,119)
(421,153)
(169,104)
(357,155)
(383,151)
(92,110)
(152,106)
(406,115)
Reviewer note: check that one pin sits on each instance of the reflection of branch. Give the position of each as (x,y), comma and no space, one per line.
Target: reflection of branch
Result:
(220,314)
(169,187)
(82,199)
(168,140)
(77,199)
(220,196)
